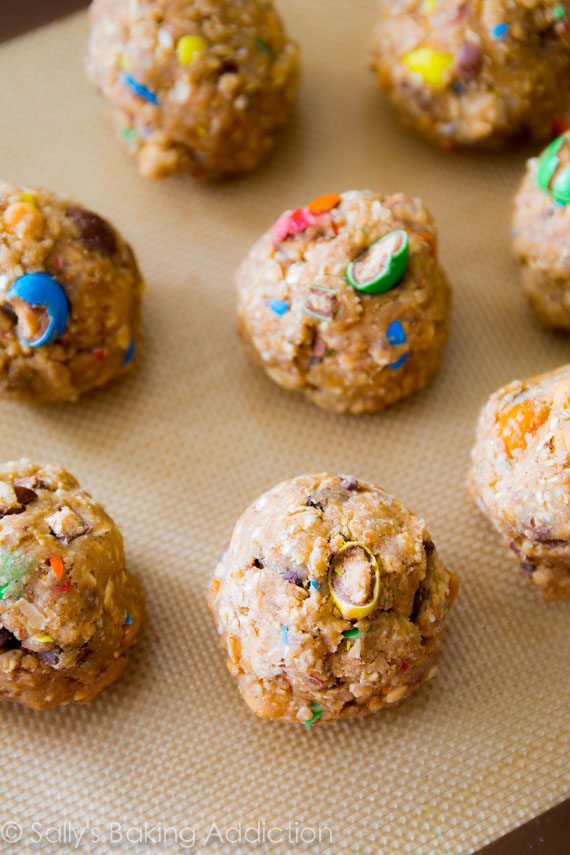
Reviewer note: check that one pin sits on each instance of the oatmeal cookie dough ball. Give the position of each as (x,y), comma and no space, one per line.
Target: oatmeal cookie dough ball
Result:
(202,86)
(466,73)
(344,300)
(69,611)
(330,601)
(541,233)
(520,475)
(70,293)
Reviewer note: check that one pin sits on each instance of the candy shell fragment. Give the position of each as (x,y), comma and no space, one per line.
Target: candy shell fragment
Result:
(351,576)
(381,266)
(41,306)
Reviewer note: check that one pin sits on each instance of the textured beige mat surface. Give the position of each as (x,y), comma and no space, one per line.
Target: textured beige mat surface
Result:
(178,450)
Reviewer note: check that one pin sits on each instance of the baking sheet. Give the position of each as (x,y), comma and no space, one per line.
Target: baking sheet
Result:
(178,450)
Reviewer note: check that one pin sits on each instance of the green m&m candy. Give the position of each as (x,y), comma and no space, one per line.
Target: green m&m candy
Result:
(550,177)
(381,265)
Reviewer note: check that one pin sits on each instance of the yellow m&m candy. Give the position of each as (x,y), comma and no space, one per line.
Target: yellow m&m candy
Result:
(189,47)
(430,63)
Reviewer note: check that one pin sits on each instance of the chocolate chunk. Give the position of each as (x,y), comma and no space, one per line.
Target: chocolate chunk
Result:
(9,312)
(96,233)
(7,640)
(429,547)
(24,494)
(527,568)
(349,483)
(420,599)
(51,657)
(319,350)
(313,503)
(470,58)
(296,575)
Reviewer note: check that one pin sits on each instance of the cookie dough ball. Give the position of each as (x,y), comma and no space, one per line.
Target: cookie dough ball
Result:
(344,300)
(541,233)
(520,475)
(70,293)
(202,86)
(330,601)
(69,611)
(474,73)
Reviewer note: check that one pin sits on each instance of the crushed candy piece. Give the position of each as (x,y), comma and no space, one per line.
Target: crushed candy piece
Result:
(519,422)
(56,564)
(41,306)
(320,302)
(317,712)
(139,89)
(325,203)
(395,336)
(351,633)
(129,353)
(354,580)
(291,223)
(15,567)
(382,265)
(263,47)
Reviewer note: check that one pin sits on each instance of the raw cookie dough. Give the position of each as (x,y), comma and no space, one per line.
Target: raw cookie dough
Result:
(541,233)
(520,475)
(70,293)
(202,86)
(330,601)
(465,73)
(69,611)
(330,309)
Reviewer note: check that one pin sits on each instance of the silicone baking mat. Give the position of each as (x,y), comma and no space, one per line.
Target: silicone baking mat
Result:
(170,758)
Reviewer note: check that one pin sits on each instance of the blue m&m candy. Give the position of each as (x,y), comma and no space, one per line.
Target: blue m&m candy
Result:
(396,335)
(40,290)
(129,353)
